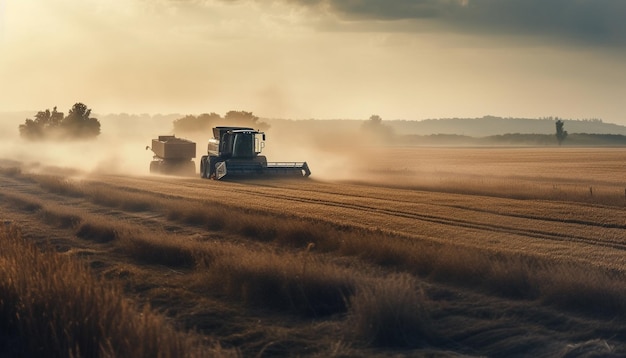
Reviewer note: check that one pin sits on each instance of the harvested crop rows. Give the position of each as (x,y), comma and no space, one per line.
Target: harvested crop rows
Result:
(535,227)
(482,270)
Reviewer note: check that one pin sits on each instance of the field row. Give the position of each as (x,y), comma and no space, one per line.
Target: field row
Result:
(565,231)
(317,249)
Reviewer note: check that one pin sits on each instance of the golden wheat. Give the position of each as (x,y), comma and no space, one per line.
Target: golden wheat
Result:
(58,309)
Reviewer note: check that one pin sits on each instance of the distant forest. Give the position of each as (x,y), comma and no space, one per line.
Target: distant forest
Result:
(487,130)
(491,125)
(514,139)
(206,121)
(490,130)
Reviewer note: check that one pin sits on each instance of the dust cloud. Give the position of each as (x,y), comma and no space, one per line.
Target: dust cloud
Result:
(334,150)
(119,149)
(337,150)
(331,153)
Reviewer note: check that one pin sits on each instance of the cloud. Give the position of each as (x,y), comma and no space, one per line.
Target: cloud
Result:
(389,10)
(582,21)
(316,58)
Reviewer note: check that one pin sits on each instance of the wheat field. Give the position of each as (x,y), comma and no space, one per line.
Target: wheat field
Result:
(408,251)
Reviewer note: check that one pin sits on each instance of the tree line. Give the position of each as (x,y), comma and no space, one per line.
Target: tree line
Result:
(78,124)
(206,121)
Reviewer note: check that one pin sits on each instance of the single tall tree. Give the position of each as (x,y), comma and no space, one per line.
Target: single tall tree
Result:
(79,124)
(560,133)
(377,130)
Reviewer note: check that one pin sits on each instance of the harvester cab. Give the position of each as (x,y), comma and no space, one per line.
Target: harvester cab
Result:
(234,152)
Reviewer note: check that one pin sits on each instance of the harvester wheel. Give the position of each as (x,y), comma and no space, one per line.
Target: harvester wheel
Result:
(154,166)
(203,165)
(210,167)
(207,169)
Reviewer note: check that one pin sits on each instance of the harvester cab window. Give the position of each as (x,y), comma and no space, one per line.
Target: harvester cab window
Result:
(243,145)
(225,144)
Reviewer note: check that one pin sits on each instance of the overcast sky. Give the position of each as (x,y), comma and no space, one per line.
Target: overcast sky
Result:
(300,59)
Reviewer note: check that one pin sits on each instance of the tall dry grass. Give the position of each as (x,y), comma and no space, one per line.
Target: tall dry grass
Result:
(13,170)
(137,243)
(297,282)
(54,307)
(214,216)
(272,280)
(383,310)
(579,288)
(391,312)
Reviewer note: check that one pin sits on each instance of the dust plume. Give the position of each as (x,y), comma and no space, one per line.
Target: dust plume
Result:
(334,150)
(119,149)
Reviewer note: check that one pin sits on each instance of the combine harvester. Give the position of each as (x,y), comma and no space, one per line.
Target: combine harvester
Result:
(233,152)
(173,156)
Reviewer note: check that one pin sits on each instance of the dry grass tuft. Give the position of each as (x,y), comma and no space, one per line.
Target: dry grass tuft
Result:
(193,213)
(59,185)
(60,217)
(390,312)
(584,290)
(11,171)
(23,201)
(125,200)
(591,348)
(96,232)
(56,308)
(300,233)
(297,283)
(516,277)
(163,250)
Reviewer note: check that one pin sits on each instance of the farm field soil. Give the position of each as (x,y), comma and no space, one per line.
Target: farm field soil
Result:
(510,251)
